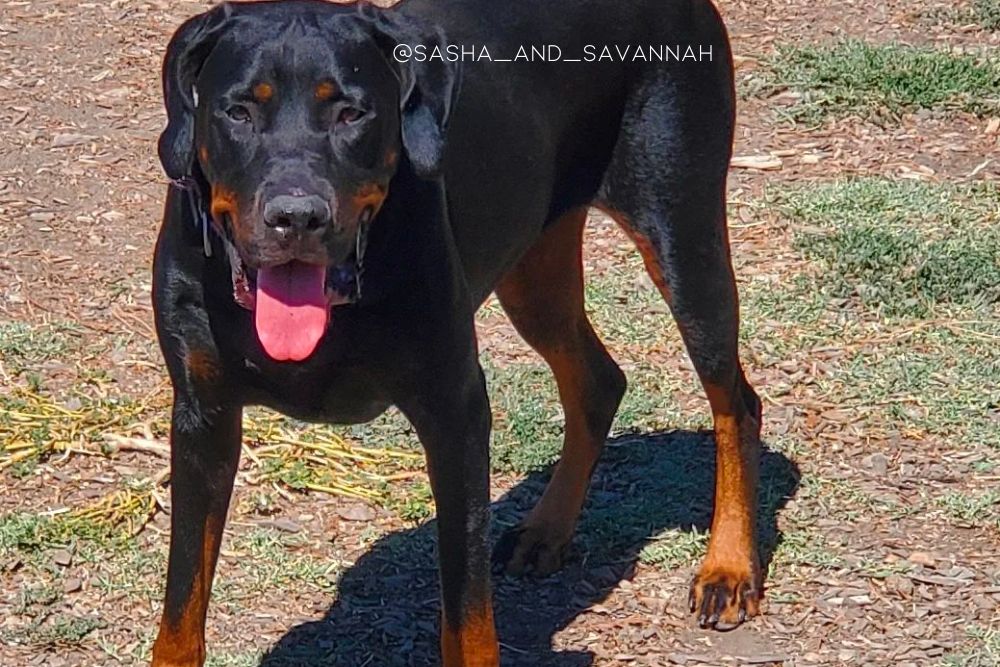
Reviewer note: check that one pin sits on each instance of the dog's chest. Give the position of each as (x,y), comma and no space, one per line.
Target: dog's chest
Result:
(335,396)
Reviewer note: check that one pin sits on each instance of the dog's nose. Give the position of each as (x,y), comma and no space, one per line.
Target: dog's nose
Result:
(288,212)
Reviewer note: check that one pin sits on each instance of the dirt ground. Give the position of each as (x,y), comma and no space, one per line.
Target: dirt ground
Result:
(880,516)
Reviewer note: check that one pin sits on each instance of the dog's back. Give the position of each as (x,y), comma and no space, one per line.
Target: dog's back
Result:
(544,92)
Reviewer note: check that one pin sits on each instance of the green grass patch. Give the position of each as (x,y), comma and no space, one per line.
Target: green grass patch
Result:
(108,522)
(878,568)
(272,561)
(985,650)
(904,276)
(59,630)
(24,347)
(984,13)
(878,82)
(413,504)
(649,404)
(938,379)
(902,248)
(805,548)
(527,417)
(116,564)
(987,13)
(625,308)
(973,509)
(223,659)
(674,548)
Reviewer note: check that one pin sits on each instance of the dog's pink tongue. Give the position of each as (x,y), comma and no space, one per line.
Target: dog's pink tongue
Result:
(291,310)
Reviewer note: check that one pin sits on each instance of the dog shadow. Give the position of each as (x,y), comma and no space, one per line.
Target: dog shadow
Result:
(386,611)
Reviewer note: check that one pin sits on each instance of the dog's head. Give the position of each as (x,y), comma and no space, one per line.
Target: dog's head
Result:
(297,116)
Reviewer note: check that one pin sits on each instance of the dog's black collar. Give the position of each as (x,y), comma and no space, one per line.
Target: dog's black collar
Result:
(361,245)
(196,200)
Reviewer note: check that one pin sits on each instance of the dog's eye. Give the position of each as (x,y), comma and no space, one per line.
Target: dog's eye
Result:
(349,115)
(238,113)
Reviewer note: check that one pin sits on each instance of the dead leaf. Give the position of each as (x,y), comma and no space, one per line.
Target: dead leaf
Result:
(762,162)
(70,139)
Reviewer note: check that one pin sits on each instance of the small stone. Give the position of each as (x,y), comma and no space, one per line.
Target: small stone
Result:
(901,585)
(284,524)
(62,557)
(72,585)
(357,512)
(878,463)
(71,139)
(922,558)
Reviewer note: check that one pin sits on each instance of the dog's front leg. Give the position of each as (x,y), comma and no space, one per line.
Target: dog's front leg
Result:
(451,414)
(204,453)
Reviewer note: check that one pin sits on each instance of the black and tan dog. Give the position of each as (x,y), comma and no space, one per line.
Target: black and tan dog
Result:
(338,215)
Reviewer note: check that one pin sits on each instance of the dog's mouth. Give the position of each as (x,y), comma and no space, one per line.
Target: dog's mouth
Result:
(292,302)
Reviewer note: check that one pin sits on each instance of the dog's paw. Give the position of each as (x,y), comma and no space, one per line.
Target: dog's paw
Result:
(530,550)
(723,599)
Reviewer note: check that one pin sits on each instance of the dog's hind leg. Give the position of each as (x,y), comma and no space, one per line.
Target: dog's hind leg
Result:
(543,296)
(696,279)
(666,187)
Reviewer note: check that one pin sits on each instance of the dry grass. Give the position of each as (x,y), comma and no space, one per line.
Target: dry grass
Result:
(35,428)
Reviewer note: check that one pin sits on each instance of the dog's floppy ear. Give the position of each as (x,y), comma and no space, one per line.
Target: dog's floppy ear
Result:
(428,85)
(186,53)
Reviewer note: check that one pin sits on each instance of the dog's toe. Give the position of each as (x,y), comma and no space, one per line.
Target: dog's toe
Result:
(723,600)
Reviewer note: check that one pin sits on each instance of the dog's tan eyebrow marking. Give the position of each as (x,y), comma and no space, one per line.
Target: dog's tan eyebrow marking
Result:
(263,92)
(325,90)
